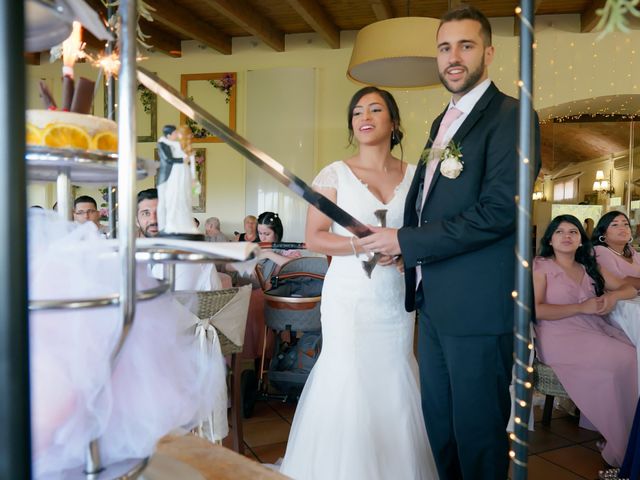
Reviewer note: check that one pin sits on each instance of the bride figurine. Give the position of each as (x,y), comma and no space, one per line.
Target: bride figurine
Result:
(176,180)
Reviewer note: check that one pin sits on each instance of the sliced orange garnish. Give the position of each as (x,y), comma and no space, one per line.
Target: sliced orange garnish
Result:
(107,141)
(63,135)
(34,135)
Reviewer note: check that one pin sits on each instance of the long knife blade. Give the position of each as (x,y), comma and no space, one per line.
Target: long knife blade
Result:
(249,151)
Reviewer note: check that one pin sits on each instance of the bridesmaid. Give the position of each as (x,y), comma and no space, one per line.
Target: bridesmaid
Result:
(594,360)
(612,244)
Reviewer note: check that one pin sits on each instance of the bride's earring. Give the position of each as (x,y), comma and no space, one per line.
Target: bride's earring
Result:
(601,238)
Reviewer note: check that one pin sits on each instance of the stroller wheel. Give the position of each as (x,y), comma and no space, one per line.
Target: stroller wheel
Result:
(249,392)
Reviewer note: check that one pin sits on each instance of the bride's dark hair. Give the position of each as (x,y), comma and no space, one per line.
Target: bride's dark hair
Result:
(394,113)
(584,254)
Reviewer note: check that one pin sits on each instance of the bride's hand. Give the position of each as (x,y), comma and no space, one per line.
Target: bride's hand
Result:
(399,263)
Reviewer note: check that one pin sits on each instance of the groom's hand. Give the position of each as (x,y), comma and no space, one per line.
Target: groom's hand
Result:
(383,240)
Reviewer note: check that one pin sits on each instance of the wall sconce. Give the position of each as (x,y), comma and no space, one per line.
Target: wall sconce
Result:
(601,185)
(538,196)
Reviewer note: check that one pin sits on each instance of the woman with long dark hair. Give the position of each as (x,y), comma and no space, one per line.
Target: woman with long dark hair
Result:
(612,244)
(595,361)
(359,415)
(270,230)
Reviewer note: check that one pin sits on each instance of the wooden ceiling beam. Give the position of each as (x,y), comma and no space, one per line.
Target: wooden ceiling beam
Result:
(589,18)
(382,9)
(161,40)
(245,16)
(188,24)
(318,19)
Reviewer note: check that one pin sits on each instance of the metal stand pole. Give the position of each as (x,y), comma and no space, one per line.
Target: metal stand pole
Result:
(126,182)
(15,438)
(110,88)
(523,292)
(127,165)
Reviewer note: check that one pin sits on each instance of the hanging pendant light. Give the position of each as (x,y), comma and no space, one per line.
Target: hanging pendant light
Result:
(396,53)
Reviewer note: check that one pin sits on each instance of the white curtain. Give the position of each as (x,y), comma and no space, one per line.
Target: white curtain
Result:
(281,122)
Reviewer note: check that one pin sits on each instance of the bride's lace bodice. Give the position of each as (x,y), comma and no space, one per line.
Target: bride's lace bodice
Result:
(354,196)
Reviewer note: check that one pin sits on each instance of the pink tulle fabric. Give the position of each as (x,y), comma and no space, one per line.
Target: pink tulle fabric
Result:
(159,381)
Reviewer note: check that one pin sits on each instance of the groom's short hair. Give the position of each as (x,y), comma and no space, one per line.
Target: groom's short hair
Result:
(468,12)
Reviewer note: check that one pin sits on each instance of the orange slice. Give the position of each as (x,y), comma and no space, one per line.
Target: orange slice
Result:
(62,135)
(106,141)
(34,135)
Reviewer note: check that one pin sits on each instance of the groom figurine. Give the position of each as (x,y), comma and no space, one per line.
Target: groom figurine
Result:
(457,245)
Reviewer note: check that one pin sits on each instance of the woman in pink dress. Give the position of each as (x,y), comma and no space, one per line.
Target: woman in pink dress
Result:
(594,360)
(612,244)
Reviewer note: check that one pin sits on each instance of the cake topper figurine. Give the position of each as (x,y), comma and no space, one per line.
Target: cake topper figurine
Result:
(176,182)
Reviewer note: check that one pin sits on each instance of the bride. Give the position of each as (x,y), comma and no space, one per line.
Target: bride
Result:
(359,416)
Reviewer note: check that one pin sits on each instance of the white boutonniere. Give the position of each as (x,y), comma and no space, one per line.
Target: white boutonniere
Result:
(449,158)
(451,165)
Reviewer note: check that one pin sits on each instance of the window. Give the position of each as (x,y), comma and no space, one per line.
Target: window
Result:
(565,189)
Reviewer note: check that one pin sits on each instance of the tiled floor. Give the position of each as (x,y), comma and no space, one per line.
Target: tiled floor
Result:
(562,451)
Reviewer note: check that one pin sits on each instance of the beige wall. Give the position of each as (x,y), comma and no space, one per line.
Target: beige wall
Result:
(569,66)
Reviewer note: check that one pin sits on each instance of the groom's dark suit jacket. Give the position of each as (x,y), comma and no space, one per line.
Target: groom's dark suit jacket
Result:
(465,240)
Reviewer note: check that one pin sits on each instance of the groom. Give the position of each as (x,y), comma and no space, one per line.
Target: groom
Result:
(457,246)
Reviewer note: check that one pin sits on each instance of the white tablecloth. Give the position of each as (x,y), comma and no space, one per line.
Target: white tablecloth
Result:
(627,316)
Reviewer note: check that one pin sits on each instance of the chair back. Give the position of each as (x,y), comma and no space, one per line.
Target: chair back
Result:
(225,310)
(546,381)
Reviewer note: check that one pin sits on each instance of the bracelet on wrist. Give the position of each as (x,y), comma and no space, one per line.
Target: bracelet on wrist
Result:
(353,246)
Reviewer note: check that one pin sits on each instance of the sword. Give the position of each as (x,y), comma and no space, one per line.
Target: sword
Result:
(255,155)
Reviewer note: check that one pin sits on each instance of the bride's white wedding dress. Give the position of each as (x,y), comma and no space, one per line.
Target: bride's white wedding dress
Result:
(359,416)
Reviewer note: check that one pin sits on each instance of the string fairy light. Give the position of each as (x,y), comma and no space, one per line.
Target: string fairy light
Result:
(522,292)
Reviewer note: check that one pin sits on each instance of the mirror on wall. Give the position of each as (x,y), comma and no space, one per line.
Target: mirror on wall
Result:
(590,165)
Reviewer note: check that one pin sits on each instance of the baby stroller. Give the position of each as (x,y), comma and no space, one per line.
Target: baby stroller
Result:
(292,312)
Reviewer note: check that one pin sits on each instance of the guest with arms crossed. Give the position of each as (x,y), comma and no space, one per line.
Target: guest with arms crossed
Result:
(612,240)
(457,246)
(595,361)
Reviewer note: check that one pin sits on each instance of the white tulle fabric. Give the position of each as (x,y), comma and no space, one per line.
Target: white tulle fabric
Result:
(159,382)
(359,416)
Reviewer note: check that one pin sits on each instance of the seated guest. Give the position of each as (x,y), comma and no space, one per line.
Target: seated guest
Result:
(202,276)
(612,244)
(270,230)
(85,209)
(595,361)
(250,234)
(212,230)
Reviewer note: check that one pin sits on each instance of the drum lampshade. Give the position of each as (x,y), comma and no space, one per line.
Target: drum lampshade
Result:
(396,53)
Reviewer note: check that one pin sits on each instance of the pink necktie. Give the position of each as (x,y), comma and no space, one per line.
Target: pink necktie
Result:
(433,161)
(438,144)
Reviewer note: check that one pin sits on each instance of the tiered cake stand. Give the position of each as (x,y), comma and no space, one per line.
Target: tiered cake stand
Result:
(47,24)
